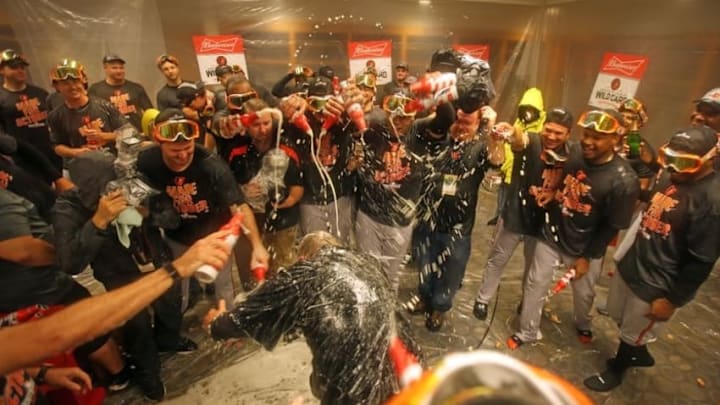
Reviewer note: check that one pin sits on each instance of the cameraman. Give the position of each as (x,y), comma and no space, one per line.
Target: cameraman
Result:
(85,235)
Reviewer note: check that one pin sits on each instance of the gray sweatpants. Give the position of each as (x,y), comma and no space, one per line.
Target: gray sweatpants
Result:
(223,283)
(545,261)
(503,246)
(315,218)
(387,243)
(628,311)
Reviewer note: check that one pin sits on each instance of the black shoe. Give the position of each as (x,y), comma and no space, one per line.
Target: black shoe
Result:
(435,321)
(480,310)
(184,346)
(415,305)
(152,388)
(119,381)
(638,356)
(604,381)
(492,221)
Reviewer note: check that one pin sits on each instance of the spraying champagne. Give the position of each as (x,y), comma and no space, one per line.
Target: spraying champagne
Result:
(206,274)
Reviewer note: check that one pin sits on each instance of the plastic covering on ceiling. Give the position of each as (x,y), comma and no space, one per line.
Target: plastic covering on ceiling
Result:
(557,48)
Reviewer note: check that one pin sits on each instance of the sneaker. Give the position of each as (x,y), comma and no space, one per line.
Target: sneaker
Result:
(153,389)
(585,336)
(119,381)
(184,346)
(513,342)
(435,321)
(480,310)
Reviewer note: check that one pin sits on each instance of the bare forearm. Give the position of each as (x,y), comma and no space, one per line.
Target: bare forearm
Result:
(67,152)
(28,251)
(252,234)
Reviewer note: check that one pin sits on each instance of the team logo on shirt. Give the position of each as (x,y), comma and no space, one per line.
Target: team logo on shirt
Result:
(572,194)
(651,218)
(551,181)
(182,194)
(5,179)
(32,116)
(395,168)
(120,100)
(19,389)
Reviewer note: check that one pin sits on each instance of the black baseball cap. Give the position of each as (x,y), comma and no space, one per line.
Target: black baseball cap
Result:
(711,99)
(695,140)
(326,71)
(320,86)
(221,70)
(561,116)
(188,91)
(111,57)
(12,58)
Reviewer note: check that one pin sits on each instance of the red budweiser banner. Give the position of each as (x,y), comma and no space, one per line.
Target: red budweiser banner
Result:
(618,79)
(214,50)
(371,55)
(480,51)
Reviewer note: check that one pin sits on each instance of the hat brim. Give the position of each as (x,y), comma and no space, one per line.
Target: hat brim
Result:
(15,63)
(114,60)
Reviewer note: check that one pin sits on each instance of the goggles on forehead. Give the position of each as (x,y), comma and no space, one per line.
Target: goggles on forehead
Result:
(174,130)
(600,121)
(240,98)
(68,69)
(634,106)
(318,103)
(397,104)
(166,58)
(365,80)
(681,162)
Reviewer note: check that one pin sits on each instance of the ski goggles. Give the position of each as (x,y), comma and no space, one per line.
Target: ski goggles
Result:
(239,99)
(166,58)
(634,106)
(365,80)
(12,58)
(397,104)
(681,162)
(176,130)
(318,103)
(68,69)
(600,121)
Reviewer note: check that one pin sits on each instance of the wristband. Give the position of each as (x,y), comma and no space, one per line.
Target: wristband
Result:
(40,377)
(172,271)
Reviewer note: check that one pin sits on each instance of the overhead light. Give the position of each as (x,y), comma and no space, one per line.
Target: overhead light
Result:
(424,2)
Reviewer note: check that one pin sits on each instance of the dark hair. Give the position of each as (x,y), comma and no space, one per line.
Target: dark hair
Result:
(234,82)
(254,104)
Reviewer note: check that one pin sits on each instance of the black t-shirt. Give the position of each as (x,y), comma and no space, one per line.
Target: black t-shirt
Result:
(347,311)
(129,98)
(531,177)
(246,163)
(390,178)
(202,194)
(458,172)
(22,285)
(54,100)
(167,97)
(23,114)
(677,244)
(595,201)
(332,151)
(22,183)
(98,114)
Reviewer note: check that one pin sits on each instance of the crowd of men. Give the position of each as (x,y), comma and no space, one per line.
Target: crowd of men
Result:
(387,171)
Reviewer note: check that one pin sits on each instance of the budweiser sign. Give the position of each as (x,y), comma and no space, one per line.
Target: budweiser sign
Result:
(217,44)
(369,49)
(625,65)
(479,51)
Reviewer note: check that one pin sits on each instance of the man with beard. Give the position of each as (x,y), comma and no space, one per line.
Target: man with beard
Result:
(537,173)
(673,252)
(595,201)
(167,95)
(346,309)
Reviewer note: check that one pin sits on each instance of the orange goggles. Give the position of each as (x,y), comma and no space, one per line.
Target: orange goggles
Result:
(174,130)
(681,162)
(600,121)
(68,69)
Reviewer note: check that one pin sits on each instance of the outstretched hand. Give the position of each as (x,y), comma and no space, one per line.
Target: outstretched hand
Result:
(211,250)
(212,314)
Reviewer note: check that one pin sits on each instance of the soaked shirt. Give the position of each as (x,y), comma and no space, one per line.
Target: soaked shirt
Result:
(23,115)
(96,114)
(677,245)
(592,204)
(201,194)
(129,98)
(344,305)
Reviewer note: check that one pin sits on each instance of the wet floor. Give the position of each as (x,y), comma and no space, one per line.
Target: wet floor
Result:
(687,355)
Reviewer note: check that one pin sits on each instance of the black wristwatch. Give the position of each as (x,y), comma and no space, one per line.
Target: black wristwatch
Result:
(40,377)
(172,271)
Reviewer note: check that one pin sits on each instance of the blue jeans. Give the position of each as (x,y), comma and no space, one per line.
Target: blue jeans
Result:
(442,268)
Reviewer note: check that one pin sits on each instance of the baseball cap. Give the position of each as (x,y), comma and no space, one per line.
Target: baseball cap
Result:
(711,99)
(188,91)
(402,65)
(111,57)
(561,116)
(320,86)
(12,58)
(326,71)
(695,140)
(223,70)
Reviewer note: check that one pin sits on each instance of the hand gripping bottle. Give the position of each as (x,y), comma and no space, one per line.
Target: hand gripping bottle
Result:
(357,115)
(300,120)
(431,84)
(564,281)
(206,273)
